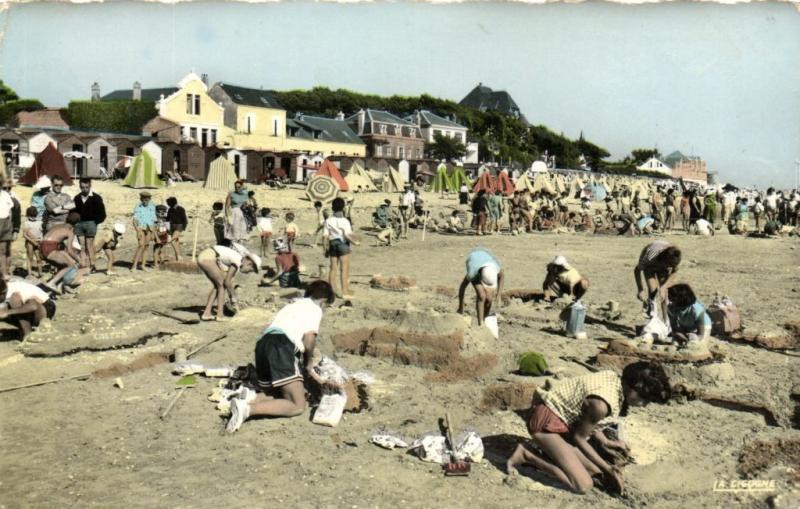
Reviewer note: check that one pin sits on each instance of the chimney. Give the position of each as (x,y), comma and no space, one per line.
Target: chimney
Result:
(204,79)
(137,91)
(362,116)
(95,91)
(340,115)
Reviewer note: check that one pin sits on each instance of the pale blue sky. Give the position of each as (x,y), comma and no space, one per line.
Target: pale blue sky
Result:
(722,82)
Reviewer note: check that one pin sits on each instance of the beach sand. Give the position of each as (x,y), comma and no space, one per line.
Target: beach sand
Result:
(91,443)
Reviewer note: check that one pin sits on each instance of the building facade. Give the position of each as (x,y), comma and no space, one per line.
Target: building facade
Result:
(689,168)
(387,135)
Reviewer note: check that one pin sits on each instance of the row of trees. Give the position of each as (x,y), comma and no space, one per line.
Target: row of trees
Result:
(500,137)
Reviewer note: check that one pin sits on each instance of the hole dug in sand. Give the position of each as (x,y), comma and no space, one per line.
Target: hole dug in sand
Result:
(507,396)
(183,266)
(441,352)
(393,283)
(758,456)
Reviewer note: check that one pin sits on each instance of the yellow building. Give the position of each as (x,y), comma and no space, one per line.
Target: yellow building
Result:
(200,117)
(258,122)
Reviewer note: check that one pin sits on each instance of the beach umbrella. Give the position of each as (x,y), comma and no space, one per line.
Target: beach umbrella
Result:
(322,189)
(124,163)
(75,154)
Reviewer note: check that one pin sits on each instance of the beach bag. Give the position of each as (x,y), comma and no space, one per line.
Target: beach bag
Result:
(725,318)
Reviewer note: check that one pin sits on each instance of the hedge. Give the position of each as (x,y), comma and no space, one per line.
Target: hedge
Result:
(10,109)
(114,116)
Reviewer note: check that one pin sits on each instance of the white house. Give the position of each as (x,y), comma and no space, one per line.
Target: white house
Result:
(653,164)
(431,124)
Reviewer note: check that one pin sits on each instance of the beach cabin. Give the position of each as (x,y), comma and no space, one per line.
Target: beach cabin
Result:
(69,142)
(12,144)
(102,154)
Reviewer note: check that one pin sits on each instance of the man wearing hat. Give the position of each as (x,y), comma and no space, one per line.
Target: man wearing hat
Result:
(562,279)
(144,220)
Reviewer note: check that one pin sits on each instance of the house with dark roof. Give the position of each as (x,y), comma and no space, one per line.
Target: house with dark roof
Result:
(387,135)
(136,93)
(253,115)
(432,124)
(483,98)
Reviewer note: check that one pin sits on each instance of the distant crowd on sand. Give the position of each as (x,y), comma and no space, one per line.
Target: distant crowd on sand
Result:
(663,208)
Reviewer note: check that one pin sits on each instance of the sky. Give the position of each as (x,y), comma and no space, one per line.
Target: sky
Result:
(718,81)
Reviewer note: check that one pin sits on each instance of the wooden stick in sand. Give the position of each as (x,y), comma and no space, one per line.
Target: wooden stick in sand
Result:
(202,347)
(44,382)
(174,400)
(425,224)
(194,246)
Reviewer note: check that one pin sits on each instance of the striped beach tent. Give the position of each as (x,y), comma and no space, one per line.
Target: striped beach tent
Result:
(3,173)
(221,175)
(143,173)
(358,179)
(485,183)
(523,183)
(503,183)
(458,177)
(441,182)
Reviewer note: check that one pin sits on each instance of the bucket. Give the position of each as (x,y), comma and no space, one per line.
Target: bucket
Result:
(576,315)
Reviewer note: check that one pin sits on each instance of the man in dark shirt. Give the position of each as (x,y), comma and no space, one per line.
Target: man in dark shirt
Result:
(176,216)
(92,210)
(479,209)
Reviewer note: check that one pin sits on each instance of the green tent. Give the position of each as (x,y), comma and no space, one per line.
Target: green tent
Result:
(143,173)
(442,182)
(221,175)
(459,177)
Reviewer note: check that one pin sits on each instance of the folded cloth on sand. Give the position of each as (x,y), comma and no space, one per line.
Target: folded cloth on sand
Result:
(387,441)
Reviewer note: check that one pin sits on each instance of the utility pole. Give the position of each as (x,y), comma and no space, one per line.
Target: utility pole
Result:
(797,174)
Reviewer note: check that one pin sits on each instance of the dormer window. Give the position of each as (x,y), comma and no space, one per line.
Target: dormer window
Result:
(398,130)
(382,128)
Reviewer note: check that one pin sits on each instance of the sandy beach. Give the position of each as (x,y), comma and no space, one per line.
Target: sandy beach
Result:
(87,443)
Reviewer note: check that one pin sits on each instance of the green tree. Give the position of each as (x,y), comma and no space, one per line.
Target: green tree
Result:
(7,94)
(445,147)
(641,155)
(10,109)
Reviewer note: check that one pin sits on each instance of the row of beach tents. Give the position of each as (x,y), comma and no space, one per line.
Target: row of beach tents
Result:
(144,174)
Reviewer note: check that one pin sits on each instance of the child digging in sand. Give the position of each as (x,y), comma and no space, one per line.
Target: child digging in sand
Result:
(565,415)
(283,358)
(220,264)
(486,275)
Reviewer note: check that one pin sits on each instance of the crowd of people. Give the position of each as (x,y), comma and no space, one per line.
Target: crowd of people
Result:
(626,211)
